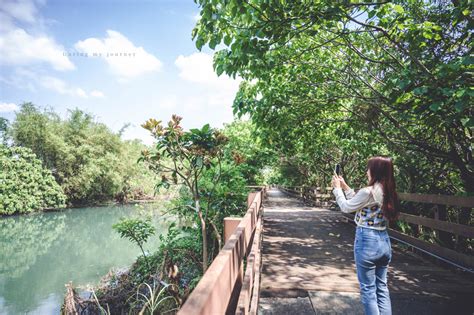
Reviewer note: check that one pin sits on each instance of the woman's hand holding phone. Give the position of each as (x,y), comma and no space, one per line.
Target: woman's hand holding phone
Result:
(336,182)
(343,183)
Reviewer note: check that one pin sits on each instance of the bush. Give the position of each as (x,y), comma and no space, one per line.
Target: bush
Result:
(25,185)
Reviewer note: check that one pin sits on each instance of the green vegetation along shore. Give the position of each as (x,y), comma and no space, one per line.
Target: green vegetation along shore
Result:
(50,162)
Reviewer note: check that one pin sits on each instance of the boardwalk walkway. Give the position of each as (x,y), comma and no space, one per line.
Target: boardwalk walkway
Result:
(308,268)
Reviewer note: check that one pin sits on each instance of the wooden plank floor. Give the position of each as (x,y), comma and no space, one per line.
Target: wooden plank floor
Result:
(308,268)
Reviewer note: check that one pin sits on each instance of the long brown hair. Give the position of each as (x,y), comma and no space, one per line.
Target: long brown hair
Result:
(381,171)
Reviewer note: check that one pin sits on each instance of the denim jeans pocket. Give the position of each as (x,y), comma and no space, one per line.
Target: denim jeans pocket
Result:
(367,246)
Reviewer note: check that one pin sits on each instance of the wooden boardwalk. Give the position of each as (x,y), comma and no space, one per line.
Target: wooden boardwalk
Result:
(308,268)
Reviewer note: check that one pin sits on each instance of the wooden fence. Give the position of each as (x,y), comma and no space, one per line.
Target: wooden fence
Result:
(317,196)
(461,259)
(225,288)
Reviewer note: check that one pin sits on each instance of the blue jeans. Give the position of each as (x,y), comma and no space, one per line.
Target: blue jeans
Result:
(372,253)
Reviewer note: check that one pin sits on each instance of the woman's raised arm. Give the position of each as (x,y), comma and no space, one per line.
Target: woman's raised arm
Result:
(347,190)
(353,204)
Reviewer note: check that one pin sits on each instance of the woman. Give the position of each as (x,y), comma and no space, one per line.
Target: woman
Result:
(375,206)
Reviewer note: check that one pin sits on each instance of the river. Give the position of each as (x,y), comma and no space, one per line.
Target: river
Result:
(41,252)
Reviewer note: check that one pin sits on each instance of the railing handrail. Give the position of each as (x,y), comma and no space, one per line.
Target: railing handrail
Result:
(447,200)
(256,186)
(445,226)
(215,290)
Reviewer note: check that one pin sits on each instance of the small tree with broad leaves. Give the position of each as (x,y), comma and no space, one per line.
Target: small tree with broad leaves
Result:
(136,230)
(191,154)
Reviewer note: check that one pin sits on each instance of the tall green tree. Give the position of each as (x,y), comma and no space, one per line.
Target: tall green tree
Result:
(247,150)
(396,71)
(88,160)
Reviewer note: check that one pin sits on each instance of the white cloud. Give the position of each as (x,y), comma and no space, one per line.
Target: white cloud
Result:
(54,84)
(19,81)
(80,92)
(218,91)
(31,80)
(6,22)
(96,93)
(18,46)
(22,10)
(168,102)
(198,68)
(135,131)
(8,107)
(126,67)
(196,17)
(59,86)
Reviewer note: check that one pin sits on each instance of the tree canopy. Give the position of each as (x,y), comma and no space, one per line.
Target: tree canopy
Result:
(329,80)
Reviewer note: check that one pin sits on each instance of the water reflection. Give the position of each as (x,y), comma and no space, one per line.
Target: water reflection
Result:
(23,238)
(40,253)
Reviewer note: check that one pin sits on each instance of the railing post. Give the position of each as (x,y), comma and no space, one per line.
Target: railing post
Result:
(230,224)
(251,197)
(444,237)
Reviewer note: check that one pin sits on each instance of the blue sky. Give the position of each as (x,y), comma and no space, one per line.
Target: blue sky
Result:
(160,72)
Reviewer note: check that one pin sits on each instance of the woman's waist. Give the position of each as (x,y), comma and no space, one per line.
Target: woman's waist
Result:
(362,231)
(370,233)
(377,229)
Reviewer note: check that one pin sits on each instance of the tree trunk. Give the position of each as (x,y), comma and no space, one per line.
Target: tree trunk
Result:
(217,234)
(204,237)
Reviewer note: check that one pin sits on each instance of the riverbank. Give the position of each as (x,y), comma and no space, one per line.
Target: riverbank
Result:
(110,203)
(161,281)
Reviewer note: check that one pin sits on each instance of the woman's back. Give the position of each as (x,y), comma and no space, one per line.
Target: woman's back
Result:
(367,204)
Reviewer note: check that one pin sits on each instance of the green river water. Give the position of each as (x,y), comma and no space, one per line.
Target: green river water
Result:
(39,253)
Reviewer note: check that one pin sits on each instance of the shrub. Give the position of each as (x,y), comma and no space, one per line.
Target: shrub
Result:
(25,185)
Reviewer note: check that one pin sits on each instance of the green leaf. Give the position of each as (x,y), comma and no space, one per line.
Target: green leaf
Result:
(199,43)
(467,122)
(402,84)
(459,106)
(219,70)
(212,43)
(435,106)
(399,9)
(420,90)
(227,40)
(460,93)
(427,35)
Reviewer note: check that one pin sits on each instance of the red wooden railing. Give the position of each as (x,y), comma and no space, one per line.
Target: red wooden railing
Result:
(225,288)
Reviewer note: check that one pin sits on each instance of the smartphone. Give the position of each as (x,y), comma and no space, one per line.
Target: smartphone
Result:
(337,169)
